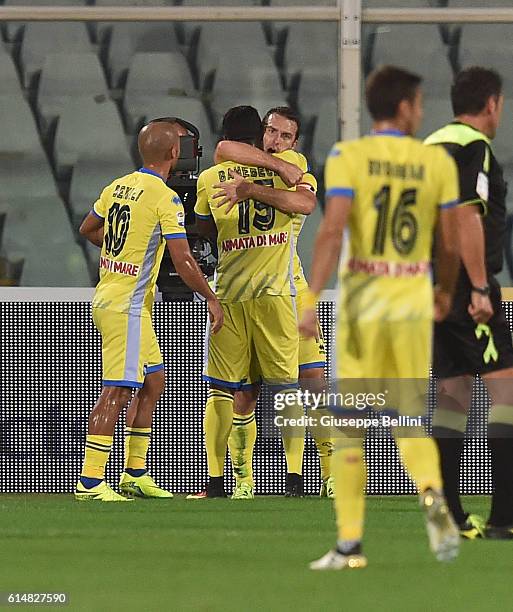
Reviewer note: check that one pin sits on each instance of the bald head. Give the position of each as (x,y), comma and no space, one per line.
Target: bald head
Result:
(159,143)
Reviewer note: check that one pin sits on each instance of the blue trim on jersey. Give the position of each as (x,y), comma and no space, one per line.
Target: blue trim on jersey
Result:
(311,366)
(204,217)
(223,383)
(340,191)
(97,215)
(451,204)
(155,368)
(174,236)
(122,383)
(246,386)
(283,386)
(390,132)
(148,171)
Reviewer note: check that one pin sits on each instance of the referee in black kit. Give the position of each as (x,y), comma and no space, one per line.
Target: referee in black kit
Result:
(475,337)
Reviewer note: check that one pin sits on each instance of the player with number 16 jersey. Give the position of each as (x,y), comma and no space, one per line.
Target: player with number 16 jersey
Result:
(397,186)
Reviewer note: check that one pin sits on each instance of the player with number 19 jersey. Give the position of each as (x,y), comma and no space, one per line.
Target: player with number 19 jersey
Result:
(140,214)
(397,186)
(254,281)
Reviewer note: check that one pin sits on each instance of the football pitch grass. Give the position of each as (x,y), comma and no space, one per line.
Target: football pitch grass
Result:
(223,555)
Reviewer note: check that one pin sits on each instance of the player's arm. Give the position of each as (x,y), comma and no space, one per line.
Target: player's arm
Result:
(204,221)
(447,257)
(238,189)
(247,155)
(92,228)
(191,274)
(326,254)
(473,183)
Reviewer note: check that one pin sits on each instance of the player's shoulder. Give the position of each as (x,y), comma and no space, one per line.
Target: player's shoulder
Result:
(294,157)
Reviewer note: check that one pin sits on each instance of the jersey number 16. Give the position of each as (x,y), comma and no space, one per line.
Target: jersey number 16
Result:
(404,224)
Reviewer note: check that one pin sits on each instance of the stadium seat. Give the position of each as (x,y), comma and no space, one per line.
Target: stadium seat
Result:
(69,75)
(103,27)
(127,39)
(40,39)
(437,113)
(8,75)
(88,127)
(224,43)
(396,44)
(24,169)
(13,29)
(501,145)
(89,178)
(314,66)
(38,230)
(488,45)
(326,130)
(242,81)
(155,74)
(191,110)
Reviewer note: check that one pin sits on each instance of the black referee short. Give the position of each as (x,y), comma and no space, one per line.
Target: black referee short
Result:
(457,349)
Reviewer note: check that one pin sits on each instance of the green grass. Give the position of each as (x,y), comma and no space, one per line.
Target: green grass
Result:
(219,555)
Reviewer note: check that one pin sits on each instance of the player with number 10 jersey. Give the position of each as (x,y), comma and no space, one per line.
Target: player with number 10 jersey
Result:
(140,214)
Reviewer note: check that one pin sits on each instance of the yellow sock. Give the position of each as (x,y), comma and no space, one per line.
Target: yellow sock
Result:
(324,443)
(421,459)
(97,451)
(324,450)
(348,468)
(293,439)
(241,444)
(137,442)
(217,424)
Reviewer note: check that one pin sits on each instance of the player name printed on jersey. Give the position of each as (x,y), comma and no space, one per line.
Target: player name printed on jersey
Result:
(124,192)
(119,267)
(253,172)
(388,268)
(251,242)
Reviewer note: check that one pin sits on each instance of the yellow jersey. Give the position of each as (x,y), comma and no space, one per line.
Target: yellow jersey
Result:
(140,213)
(256,245)
(397,186)
(309,182)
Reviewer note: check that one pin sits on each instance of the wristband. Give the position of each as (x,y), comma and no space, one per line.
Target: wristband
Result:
(310,300)
(485,290)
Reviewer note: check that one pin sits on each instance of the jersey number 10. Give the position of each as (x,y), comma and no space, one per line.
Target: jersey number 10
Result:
(404,225)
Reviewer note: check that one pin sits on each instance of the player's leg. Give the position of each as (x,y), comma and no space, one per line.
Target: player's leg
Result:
(313,380)
(500,443)
(242,440)
(135,479)
(119,377)
(227,363)
(312,361)
(454,396)
(348,467)
(419,453)
(276,347)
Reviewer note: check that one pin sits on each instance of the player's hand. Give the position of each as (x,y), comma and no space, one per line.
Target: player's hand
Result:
(480,307)
(232,192)
(443,304)
(215,314)
(290,174)
(308,326)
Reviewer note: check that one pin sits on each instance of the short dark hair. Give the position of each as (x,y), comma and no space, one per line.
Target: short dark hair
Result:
(471,89)
(243,124)
(386,88)
(288,113)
